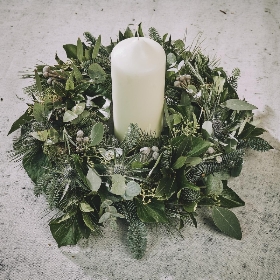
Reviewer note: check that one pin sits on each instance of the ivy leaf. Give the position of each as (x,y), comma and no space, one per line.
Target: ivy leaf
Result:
(88,222)
(118,184)
(35,166)
(71,51)
(166,187)
(152,212)
(229,199)
(94,181)
(20,121)
(227,222)
(238,105)
(96,47)
(96,135)
(96,73)
(66,232)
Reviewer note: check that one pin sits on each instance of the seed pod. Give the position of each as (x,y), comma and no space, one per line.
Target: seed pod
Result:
(79,139)
(177,84)
(145,150)
(49,81)
(155,155)
(46,69)
(155,148)
(86,139)
(46,74)
(80,133)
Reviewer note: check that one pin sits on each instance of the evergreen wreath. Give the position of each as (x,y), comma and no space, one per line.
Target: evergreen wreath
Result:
(68,149)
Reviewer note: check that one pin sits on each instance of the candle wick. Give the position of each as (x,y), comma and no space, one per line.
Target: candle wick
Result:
(138,35)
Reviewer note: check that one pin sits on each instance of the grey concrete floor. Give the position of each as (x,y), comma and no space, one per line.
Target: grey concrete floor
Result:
(242,34)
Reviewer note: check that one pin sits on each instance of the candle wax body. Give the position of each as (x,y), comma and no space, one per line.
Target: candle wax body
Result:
(138,80)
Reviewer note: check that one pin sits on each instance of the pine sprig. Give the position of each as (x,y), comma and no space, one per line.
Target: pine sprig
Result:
(255,143)
(137,232)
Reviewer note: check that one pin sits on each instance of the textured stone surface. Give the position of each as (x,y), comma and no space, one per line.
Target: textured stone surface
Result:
(242,34)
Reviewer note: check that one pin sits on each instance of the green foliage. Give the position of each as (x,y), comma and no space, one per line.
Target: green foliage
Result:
(68,149)
(227,222)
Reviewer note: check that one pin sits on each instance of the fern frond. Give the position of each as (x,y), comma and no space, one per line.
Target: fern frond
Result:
(234,77)
(89,38)
(153,34)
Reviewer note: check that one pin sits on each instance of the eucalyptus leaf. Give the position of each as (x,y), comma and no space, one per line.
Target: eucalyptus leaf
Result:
(171,58)
(97,132)
(238,105)
(93,179)
(106,216)
(132,189)
(79,108)
(207,126)
(69,116)
(118,184)
(227,222)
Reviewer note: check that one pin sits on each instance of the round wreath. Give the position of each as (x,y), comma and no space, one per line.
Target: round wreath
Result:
(68,148)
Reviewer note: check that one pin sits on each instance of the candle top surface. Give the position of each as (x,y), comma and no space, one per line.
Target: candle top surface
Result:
(138,54)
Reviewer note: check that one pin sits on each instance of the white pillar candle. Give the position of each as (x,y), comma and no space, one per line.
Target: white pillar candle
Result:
(138,80)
